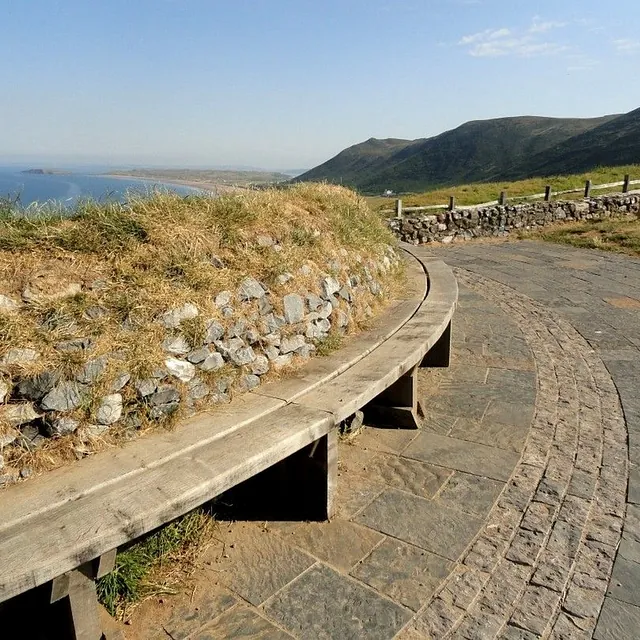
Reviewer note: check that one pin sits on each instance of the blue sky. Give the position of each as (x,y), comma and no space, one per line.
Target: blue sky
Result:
(287,84)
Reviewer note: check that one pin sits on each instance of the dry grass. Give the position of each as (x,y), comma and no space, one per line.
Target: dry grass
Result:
(480,192)
(134,261)
(619,235)
(159,564)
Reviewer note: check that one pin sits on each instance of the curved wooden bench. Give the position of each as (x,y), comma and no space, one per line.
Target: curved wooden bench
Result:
(86,511)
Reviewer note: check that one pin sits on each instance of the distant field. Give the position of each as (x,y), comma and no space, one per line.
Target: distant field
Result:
(206,177)
(486,191)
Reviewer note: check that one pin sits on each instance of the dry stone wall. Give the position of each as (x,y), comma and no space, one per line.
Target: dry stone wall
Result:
(465,224)
(256,332)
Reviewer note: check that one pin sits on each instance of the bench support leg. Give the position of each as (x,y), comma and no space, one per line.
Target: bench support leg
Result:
(397,406)
(440,354)
(79,588)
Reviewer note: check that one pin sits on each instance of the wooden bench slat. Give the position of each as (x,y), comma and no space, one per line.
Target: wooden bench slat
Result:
(80,530)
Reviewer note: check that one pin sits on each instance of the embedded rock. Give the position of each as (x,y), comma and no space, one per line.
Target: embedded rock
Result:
(120,382)
(199,355)
(110,410)
(197,390)
(293,308)
(36,387)
(215,331)
(146,387)
(176,345)
(242,356)
(330,286)
(180,369)
(283,278)
(291,343)
(248,382)
(75,344)
(250,289)
(212,362)
(92,370)
(271,352)
(18,414)
(282,361)
(18,357)
(62,426)
(173,318)
(8,305)
(313,301)
(166,394)
(223,299)
(45,287)
(260,366)
(4,390)
(65,396)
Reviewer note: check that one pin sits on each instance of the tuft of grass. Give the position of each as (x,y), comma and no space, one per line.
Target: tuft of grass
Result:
(329,344)
(479,192)
(157,564)
(619,235)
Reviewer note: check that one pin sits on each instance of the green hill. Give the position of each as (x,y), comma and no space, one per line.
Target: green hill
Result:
(486,150)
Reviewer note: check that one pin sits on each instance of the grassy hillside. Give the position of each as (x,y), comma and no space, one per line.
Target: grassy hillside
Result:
(479,192)
(488,150)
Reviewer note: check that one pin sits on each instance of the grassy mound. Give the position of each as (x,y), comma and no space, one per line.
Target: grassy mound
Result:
(94,283)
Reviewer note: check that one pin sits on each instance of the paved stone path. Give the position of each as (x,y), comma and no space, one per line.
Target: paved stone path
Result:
(504,517)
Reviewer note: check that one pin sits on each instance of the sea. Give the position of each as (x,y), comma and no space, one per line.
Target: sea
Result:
(67,189)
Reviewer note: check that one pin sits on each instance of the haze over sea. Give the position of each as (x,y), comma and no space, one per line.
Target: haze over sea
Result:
(68,188)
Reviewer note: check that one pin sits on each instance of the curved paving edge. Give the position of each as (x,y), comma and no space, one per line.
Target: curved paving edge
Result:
(541,565)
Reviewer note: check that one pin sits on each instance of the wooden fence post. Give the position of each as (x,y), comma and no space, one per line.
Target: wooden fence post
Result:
(452,203)
(503,198)
(398,208)
(625,186)
(587,188)
(547,193)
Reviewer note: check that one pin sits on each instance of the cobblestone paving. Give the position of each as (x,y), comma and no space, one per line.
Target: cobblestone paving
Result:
(503,517)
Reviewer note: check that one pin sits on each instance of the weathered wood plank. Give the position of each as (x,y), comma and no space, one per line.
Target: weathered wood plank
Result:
(79,531)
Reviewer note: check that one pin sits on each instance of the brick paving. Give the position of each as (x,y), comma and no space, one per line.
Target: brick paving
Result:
(506,516)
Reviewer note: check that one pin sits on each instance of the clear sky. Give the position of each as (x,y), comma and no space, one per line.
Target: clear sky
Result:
(287,84)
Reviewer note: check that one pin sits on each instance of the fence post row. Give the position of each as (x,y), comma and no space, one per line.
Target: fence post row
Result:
(503,198)
(452,203)
(587,188)
(625,186)
(547,193)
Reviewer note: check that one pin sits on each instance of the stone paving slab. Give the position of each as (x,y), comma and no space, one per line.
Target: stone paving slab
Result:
(507,514)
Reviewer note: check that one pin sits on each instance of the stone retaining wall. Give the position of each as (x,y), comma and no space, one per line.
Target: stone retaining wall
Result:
(465,224)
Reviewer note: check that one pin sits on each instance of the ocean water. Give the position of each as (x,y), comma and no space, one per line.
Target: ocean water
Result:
(67,189)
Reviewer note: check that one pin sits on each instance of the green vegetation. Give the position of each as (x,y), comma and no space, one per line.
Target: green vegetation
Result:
(620,235)
(207,178)
(157,564)
(486,151)
(479,192)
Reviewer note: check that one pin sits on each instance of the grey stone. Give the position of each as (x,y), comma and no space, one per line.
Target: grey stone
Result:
(177,345)
(75,344)
(62,426)
(223,299)
(329,286)
(272,352)
(166,394)
(273,339)
(248,382)
(197,389)
(264,306)
(226,347)
(265,240)
(95,430)
(173,318)
(305,270)
(404,573)
(325,310)
(212,362)
(314,302)
(110,409)
(19,357)
(237,329)
(341,319)
(146,387)
(215,331)
(227,313)
(306,350)
(65,396)
(618,621)
(252,336)
(535,609)
(282,361)
(18,414)
(473,494)
(36,387)
(351,612)
(198,355)
(250,289)
(8,305)
(92,370)
(625,581)
(217,262)
(242,356)
(428,525)
(180,369)
(121,381)
(241,622)
(283,278)
(345,294)
(293,308)
(4,391)
(289,344)
(95,313)
(260,365)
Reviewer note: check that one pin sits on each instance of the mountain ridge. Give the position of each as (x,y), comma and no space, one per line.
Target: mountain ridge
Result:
(485,150)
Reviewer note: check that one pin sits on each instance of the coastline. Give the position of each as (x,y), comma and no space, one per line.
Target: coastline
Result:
(210,187)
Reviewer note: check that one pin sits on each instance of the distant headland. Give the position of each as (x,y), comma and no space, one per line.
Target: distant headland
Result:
(46,172)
